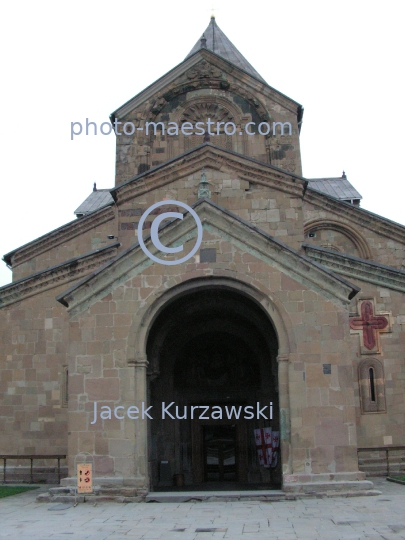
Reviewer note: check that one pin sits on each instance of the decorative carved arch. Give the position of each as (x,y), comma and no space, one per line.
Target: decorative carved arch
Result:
(221,109)
(358,240)
(218,109)
(372,386)
(272,308)
(162,98)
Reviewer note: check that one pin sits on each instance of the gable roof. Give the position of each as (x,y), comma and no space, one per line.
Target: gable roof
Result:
(97,199)
(214,157)
(162,84)
(215,219)
(218,43)
(340,188)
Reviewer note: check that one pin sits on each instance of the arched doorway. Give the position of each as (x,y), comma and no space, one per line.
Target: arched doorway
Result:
(212,356)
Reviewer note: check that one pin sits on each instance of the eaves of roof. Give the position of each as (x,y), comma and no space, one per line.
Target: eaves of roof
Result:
(256,230)
(365,217)
(340,188)
(55,276)
(357,268)
(196,149)
(178,70)
(95,201)
(8,256)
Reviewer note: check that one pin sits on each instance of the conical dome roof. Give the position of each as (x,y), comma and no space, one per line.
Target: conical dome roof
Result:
(217,42)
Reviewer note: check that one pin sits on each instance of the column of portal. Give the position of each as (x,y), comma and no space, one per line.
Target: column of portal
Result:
(284,404)
(141,425)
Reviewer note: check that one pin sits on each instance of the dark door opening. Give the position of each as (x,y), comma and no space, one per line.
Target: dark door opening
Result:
(211,347)
(220,453)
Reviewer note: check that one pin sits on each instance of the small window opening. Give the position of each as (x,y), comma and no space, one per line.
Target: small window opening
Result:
(143,167)
(372,384)
(65,387)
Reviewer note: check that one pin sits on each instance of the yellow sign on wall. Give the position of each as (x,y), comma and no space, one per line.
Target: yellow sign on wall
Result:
(84,478)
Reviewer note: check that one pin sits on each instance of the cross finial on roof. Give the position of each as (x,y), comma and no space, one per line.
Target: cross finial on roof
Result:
(212,11)
(94,187)
(343,174)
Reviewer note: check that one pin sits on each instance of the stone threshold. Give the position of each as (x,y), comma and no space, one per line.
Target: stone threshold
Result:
(225,496)
(66,495)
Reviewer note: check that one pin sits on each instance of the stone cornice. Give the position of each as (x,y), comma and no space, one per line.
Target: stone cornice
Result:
(210,157)
(354,267)
(227,225)
(55,276)
(276,253)
(356,215)
(171,76)
(58,236)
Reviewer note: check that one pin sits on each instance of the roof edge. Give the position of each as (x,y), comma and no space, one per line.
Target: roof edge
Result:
(353,288)
(203,52)
(193,150)
(358,210)
(54,276)
(358,268)
(8,256)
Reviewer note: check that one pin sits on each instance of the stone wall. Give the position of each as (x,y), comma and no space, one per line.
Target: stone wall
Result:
(103,338)
(34,337)
(264,207)
(353,231)
(207,91)
(386,426)
(72,240)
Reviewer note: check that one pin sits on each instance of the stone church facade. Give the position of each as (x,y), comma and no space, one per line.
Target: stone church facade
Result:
(295,298)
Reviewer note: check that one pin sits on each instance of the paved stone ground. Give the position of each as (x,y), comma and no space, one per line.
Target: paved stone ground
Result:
(380,517)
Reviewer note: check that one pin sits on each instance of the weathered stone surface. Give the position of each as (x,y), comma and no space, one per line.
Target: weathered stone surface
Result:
(258,217)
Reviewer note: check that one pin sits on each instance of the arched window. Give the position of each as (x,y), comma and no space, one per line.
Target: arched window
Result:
(372,386)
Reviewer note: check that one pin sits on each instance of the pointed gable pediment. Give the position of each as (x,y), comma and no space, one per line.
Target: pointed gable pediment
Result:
(216,222)
(203,65)
(214,86)
(211,157)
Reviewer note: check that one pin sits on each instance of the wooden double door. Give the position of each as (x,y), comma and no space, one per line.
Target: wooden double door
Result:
(219,451)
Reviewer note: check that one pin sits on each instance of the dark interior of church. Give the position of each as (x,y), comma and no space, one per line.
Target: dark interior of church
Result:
(211,348)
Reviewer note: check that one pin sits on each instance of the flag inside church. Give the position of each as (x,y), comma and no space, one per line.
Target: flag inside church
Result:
(267,444)
(263,440)
(275,444)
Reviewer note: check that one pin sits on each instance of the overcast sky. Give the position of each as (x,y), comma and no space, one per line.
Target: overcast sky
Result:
(65,61)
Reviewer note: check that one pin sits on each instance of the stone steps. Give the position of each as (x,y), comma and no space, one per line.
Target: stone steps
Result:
(67,494)
(376,465)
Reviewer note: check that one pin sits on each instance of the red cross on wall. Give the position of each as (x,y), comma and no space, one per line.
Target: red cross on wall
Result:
(369,326)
